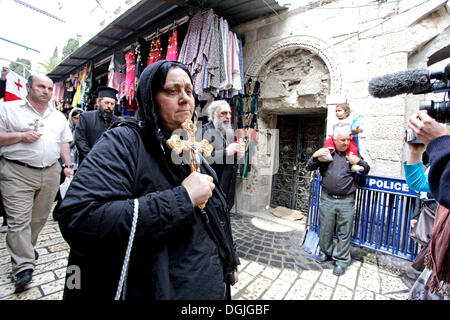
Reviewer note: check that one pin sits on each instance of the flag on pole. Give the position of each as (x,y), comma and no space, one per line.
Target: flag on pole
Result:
(15,88)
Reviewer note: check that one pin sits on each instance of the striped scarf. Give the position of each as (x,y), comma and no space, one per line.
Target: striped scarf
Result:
(438,255)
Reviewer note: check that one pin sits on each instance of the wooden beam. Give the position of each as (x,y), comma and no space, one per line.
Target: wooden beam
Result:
(98,45)
(177,2)
(108,38)
(115,26)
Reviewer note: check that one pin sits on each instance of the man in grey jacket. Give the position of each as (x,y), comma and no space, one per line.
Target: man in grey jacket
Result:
(337,200)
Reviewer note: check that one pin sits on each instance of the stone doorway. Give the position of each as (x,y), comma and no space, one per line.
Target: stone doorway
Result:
(299,137)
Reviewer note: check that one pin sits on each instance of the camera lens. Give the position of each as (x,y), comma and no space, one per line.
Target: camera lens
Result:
(437,110)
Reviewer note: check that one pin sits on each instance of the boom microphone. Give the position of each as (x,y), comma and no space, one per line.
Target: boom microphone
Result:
(413,81)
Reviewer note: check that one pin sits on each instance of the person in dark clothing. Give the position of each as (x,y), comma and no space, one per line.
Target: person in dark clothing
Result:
(92,124)
(5,71)
(179,251)
(219,132)
(436,137)
(337,199)
(4,225)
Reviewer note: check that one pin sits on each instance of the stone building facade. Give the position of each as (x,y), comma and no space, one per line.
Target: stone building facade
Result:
(308,59)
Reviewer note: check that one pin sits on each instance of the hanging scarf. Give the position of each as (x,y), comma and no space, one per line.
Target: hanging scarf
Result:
(130,78)
(155,51)
(438,255)
(172,48)
(77,97)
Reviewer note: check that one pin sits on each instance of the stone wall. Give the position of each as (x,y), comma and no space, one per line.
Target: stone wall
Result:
(348,43)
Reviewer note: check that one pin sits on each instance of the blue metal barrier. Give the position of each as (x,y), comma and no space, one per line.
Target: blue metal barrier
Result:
(383,210)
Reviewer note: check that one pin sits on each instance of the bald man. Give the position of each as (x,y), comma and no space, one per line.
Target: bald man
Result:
(33,136)
(337,199)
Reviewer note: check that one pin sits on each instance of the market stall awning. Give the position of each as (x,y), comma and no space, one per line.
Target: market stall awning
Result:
(148,15)
(239,11)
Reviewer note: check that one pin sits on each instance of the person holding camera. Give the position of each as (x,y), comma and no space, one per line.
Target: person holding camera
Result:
(436,138)
(417,180)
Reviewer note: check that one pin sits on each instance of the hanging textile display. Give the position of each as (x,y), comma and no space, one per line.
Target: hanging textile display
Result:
(86,87)
(116,77)
(236,83)
(77,97)
(247,105)
(155,51)
(172,47)
(130,78)
(248,138)
(142,50)
(59,89)
(213,55)
(69,92)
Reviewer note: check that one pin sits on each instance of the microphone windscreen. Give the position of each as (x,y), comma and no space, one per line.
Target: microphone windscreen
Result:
(409,81)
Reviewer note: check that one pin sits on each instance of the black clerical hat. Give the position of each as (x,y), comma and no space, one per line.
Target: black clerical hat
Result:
(107,92)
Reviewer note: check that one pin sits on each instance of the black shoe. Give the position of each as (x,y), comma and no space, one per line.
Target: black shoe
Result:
(322,257)
(36,255)
(338,270)
(23,278)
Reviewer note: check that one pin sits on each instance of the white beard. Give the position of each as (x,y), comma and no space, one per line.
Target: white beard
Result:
(225,129)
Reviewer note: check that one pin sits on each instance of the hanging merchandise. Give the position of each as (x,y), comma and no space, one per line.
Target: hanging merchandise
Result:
(59,90)
(116,77)
(235,67)
(213,54)
(142,50)
(155,51)
(241,67)
(248,139)
(172,48)
(247,105)
(86,96)
(69,92)
(77,97)
(130,78)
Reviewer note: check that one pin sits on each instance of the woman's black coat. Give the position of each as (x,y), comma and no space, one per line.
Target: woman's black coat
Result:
(179,252)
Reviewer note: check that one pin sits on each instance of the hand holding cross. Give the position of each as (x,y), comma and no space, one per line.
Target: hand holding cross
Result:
(178,146)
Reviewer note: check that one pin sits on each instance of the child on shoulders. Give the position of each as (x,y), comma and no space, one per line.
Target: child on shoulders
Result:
(345,120)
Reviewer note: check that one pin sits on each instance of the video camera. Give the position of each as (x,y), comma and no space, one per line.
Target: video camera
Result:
(417,81)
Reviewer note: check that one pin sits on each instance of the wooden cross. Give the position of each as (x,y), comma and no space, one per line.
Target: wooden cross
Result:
(179,145)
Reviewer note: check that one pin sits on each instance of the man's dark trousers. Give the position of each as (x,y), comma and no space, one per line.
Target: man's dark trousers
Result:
(340,213)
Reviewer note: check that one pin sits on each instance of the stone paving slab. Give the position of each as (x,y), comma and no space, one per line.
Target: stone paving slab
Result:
(273,267)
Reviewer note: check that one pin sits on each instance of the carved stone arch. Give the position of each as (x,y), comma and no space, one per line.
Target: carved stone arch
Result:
(315,45)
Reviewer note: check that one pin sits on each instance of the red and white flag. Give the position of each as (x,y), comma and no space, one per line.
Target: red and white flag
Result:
(15,88)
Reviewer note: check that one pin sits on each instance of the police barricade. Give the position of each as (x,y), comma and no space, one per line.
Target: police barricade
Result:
(383,210)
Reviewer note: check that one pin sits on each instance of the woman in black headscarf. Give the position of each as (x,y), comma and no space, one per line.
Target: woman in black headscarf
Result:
(179,251)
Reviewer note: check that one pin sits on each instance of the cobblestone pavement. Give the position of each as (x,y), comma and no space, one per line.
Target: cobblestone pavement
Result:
(273,267)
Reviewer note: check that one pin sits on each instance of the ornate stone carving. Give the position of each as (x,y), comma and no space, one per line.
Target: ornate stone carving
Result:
(314,45)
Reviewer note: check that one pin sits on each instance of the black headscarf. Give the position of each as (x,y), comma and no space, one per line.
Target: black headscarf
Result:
(155,135)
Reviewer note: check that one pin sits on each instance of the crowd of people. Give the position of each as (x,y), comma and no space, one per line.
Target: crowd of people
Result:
(126,191)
